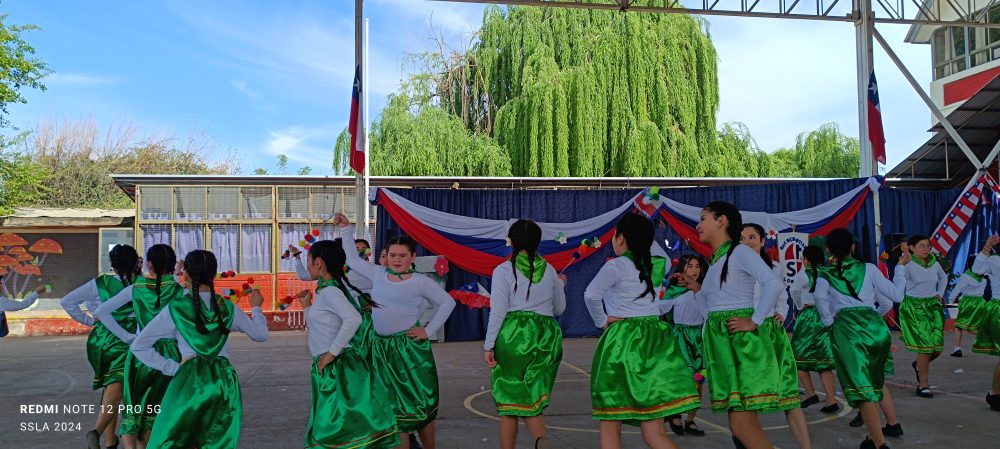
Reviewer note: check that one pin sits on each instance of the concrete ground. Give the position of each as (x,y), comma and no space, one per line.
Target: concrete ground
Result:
(275,379)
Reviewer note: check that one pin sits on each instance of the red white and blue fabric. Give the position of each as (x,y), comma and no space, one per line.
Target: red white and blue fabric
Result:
(816,220)
(958,217)
(876,135)
(478,245)
(356,126)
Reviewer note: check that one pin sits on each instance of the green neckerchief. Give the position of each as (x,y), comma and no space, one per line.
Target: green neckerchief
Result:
(144,297)
(976,277)
(853,271)
(673,291)
(531,270)
(184,312)
(109,285)
(400,275)
(659,265)
(931,260)
(722,251)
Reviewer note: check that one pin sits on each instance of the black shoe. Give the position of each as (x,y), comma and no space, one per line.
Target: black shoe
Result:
(858,421)
(894,430)
(415,444)
(678,429)
(957,353)
(869,444)
(691,428)
(93,440)
(925,392)
(915,372)
(832,408)
(542,443)
(811,400)
(994,401)
(739,445)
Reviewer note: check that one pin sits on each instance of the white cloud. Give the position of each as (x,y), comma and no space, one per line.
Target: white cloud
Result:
(243,88)
(312,146)
(76,79)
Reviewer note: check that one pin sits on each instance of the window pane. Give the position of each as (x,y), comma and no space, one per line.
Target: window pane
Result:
(958,40)
(188,238)
(994,17)
(256,202)
(291,234)
(255,242)
(223,203)
(155,203)
(226,246)
(155,234)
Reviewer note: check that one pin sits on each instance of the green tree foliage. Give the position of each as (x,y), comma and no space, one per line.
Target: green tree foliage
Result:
(19,68)
(823,153)
(22,180)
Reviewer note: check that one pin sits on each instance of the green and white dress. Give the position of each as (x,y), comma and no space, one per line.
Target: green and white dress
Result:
(921,315)
(811,337)
(969,291)
(688,324)
(988,335)
(106,352)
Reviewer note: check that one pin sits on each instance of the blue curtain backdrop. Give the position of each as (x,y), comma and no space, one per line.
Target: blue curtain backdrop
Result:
(574,205)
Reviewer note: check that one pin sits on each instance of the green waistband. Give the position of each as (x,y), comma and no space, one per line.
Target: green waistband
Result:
(523,313)
(401,333)
(643,318)
(723,314)
(920,298)
(687,326)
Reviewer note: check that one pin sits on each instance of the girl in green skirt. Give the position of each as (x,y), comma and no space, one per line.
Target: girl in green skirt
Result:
(203,406)
(402,351)
(744,377)
(752,236)
(638,375)
(688,325)
(105,351)
(523,341)
(970,289)
(921,315)
(350,403)
(988,338)
(811,337)
(144,387)
(859,336)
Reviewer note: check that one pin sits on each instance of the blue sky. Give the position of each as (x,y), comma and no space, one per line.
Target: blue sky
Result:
(265,77)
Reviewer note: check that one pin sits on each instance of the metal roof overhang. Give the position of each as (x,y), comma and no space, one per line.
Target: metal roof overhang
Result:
(940,161)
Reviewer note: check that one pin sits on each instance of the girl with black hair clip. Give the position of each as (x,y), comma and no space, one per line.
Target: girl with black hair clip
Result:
(811,336)
(105,351)
(921,315)
(144,386)
(688,325)
(523,344)
(740,356)
(970,289)
(638,374)
(351,404)
(859,337)
(402,351)
(203,405)
(752,236)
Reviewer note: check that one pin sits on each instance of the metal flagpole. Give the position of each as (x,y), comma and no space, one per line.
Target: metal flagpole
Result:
(359,178)
(864,46)
(363,205)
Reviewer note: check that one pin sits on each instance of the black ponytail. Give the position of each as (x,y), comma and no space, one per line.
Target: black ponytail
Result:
(723,209)
(524,235)
(125,263)
(816,258)
(331,252)
(760,234)
(200,266)
(638,233)
(163,259)
(839,242)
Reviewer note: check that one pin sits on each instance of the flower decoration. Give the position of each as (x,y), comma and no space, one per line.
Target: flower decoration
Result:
(441,266)
(561,238)
(508,243)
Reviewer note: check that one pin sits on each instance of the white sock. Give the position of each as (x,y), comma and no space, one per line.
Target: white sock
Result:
(958,348)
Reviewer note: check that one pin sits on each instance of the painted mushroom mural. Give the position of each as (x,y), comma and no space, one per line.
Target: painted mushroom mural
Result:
(18,265)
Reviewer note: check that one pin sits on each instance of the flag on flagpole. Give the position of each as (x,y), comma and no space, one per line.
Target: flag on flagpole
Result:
(356,126)
(959,216)
(876,135)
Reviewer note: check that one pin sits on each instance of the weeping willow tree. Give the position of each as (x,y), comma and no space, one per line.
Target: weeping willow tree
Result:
(823,153)
(572,92)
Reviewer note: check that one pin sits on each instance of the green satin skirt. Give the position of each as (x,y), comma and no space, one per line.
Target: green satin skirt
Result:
(144,389)
(988,338)
(202,407)
(639,374)
(861,347)
(749,371)
(528,351)
(970,313)
(689,341)
(351,406)
(409,371)
(890,364)
(811,342)
(107,354)
(922,323)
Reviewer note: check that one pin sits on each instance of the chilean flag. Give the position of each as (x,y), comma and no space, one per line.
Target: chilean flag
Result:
(876,135)
(356,127)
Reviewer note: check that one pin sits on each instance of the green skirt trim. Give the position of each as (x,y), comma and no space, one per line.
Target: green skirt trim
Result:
(410,373)
(970,313)
(351,406)
(922,323)
(107,355)
(144,390)
(748,371)
(689,340)
(811,342)
(202,407)
(988,337)
(638,373)
(528,351)
(862,347)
